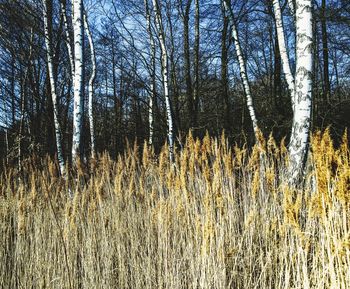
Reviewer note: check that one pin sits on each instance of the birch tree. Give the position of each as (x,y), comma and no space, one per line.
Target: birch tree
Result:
(291,7)
(67,34)
(48,42)
(174,77)
(153,71)
(283,50)
(161,35)
(78,29)
(298,146)
(242,66)
(91,85)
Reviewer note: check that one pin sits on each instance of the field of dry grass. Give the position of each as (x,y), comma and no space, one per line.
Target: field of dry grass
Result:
(221,217)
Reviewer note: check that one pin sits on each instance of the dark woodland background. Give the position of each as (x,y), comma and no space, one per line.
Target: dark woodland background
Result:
(123,82)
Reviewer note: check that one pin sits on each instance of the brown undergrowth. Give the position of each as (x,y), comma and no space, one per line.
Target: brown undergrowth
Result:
(221,217)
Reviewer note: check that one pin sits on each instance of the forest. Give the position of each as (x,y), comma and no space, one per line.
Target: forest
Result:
(174,143)
(205,88)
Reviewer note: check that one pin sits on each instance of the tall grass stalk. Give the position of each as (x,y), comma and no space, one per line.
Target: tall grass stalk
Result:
(222,217)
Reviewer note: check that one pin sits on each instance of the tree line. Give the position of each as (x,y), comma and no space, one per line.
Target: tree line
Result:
(79,78)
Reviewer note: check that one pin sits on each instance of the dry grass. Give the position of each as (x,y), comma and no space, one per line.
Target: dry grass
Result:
(220,218)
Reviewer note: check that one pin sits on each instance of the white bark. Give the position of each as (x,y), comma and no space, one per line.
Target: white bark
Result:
(291,7)
(243,70)
(283,50)
(152,60)
(91,86)
(53,92)
(150,115)
(303,89)
(78,76)
(68,38)
(160,28)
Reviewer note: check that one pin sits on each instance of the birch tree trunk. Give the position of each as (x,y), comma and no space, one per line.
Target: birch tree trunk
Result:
(78,77)
(161,35)
(48,43)
(91,86)
(291,7)
(243,70)
(283,50)
(153,71)
(303,90)
(68,38)
(173,70)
